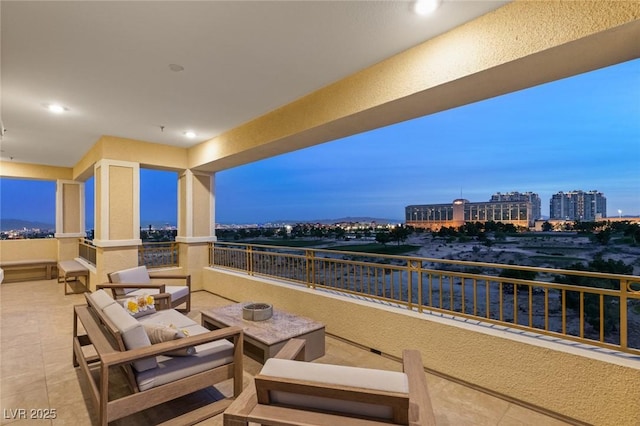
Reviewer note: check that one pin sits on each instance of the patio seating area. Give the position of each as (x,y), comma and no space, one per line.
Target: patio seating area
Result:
(36,368)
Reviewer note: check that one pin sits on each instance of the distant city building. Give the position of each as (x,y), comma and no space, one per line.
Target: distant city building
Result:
(533,198)
(435,216)
(578,205)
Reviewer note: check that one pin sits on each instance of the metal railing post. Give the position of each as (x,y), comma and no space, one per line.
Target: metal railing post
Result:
(310,268)
(624,287)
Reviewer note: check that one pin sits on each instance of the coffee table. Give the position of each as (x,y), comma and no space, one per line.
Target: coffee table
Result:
(263,339)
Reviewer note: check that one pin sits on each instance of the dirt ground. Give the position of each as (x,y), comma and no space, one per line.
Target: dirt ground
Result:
(543,250)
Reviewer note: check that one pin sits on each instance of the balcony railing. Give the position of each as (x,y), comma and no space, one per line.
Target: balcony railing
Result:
(158,255)
(587,307)
(87,250)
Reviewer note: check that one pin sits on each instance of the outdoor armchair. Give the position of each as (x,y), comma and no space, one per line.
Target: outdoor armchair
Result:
(290,392)
(137,281)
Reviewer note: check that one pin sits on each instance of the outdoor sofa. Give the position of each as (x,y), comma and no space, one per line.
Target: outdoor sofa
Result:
(187,357)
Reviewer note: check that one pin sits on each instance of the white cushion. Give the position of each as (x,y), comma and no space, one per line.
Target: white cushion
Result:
(207,356)
(132,332)
(101,299)
(168,317)
(138,275)
(390,381)
(176,291)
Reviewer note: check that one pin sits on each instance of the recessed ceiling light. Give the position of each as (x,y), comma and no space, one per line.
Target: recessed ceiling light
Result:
(56,108)
(190,134)
(426,7)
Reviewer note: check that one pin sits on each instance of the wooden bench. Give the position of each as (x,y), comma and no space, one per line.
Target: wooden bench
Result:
(72,269)
(10,266)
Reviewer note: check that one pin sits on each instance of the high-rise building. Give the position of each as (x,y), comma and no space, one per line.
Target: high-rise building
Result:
(533,198)
(578,205)
(436,216)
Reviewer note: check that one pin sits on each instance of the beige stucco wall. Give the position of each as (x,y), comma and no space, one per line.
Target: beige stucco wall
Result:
(41,248)
(110,259)
(202,205)
(68,248)
(579,387)
(98,204)
(183,213)
(71,208)
(121,203)
(148,154)
(14,250)
(33,171)
(194,257)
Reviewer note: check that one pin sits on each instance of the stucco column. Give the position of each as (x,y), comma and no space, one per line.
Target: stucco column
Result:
(69,217)
(117,216)
(196,222)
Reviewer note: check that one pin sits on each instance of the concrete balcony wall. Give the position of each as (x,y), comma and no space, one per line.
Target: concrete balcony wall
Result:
(553,377)
(41,248)
(24,250)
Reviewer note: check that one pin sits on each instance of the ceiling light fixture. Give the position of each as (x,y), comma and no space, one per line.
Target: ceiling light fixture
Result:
(190,134)
(426,7)
(56,108)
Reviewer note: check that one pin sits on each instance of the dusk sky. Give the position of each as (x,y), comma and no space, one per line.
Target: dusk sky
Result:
(581,133)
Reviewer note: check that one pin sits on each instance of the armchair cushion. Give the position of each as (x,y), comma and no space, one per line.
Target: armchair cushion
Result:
(138,275)
(176,291)
(334,375)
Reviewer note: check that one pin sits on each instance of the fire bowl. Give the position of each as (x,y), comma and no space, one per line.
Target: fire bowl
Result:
(257,311)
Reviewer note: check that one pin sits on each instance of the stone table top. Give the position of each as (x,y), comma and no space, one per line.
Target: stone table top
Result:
(281,326)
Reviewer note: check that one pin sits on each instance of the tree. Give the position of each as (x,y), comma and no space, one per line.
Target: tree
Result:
(518,275)
(603,237)
(633,231)
(592,301)
(399,233)
(546,226)
(383,237)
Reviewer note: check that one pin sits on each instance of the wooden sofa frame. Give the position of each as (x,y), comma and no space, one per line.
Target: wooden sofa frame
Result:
(110,353)
(246,408)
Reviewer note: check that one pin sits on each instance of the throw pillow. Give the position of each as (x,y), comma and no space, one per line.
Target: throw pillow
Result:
(161,333)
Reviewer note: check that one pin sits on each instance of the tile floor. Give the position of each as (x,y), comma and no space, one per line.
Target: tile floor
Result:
(36,370)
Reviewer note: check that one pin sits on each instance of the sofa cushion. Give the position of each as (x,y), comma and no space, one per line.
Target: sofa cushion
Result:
(168,317)
(161,333)
(390,381)
(138,275)
(207,356)
(132,332)
(100,299)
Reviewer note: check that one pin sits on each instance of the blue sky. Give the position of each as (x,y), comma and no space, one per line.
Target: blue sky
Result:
(580,133)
